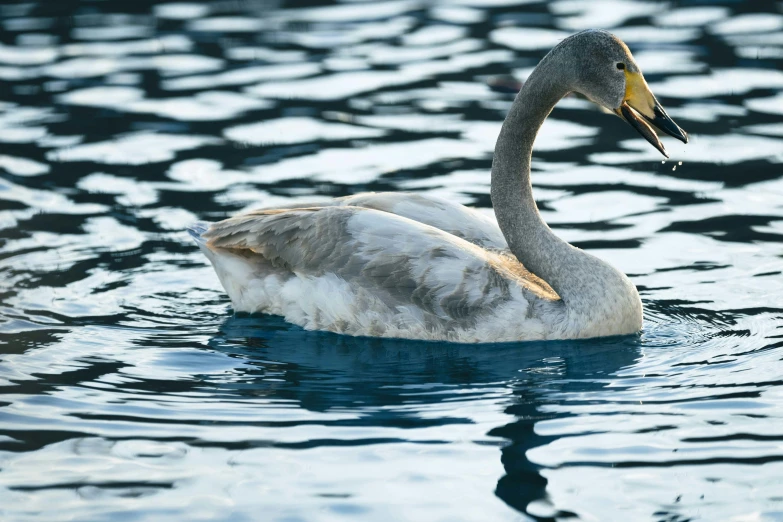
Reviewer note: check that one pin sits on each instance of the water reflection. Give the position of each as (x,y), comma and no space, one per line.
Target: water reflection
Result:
(253,387)
(328,371)
(381,363)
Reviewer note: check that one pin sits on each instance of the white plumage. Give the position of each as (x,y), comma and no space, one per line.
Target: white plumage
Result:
(361,271)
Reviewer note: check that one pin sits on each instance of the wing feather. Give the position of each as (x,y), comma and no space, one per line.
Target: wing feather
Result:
(398,260)
(458,220)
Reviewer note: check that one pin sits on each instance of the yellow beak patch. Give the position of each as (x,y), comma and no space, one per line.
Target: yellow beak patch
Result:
(638,94)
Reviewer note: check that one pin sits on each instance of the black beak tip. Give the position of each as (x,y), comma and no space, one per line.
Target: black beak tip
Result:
(676,132)
(663,122)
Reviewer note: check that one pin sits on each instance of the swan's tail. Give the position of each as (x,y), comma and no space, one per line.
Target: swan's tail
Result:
(196,231)
(235,272)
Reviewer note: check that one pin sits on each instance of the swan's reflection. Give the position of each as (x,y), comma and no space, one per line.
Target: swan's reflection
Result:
(323,371)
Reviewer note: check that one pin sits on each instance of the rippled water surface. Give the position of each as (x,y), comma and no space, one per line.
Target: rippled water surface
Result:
(130,392)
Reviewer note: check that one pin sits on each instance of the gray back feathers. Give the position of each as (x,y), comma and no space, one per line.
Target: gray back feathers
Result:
(399,261)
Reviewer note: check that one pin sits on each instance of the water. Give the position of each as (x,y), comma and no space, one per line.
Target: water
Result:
(129,392)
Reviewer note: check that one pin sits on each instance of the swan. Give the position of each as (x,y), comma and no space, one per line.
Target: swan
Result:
(419,267)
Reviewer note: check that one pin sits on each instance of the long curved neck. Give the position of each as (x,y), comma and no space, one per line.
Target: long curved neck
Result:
(587,286)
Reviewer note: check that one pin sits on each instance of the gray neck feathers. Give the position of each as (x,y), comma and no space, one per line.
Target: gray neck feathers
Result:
(586,284)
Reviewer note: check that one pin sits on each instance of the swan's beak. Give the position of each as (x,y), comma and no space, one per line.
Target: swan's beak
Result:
(640,109)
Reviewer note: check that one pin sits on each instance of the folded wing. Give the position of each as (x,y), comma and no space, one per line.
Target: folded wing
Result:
(458,220)
(363,271)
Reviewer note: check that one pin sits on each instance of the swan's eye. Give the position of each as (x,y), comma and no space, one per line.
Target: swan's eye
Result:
(621,66)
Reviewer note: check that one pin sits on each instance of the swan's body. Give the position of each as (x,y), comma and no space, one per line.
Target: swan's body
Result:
(405,265)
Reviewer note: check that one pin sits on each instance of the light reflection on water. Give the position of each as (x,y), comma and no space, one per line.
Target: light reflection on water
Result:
(129,390)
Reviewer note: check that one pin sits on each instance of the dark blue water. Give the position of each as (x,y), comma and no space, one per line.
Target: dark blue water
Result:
(128,391)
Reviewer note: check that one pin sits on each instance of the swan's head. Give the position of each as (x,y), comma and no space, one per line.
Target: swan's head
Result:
(605,71)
